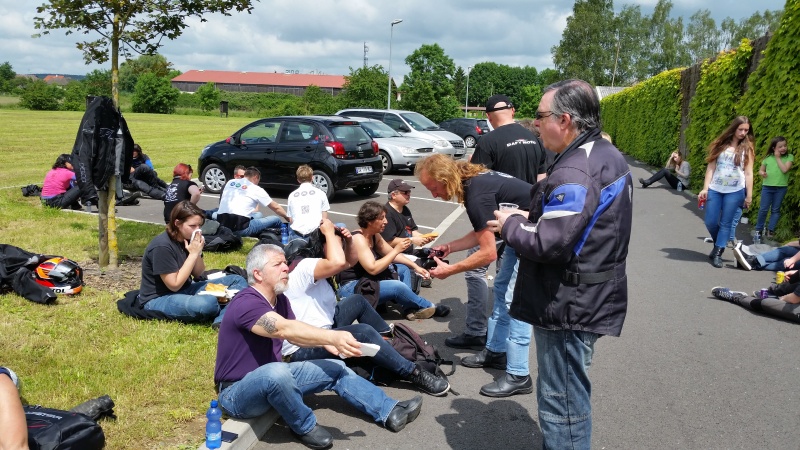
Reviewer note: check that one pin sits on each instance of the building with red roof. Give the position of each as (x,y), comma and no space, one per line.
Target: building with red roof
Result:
(283,83)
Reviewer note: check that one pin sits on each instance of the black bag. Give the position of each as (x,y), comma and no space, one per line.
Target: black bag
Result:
(219,238)
(412,347)
(54,429)
(31,190)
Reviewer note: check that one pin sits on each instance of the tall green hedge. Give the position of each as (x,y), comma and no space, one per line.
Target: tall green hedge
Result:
(644,120)
(772,102)
(713,105)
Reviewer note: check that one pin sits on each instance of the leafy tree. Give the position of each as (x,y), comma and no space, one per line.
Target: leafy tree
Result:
(631,57)
(41,96)
(702,36)
(428,88)
(586,47)
(209,96)
(126,27)
(460,85)
(98,83)
(132,69)
(316,101)
(74,97)
(666,40)
(7,72)
(549,76)
(154,95)
(365,87)
(530,96)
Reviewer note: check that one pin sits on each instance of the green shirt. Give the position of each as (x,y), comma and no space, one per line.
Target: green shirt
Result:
(774,175)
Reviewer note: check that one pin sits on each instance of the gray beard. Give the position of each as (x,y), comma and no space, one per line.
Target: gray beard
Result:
(280,288)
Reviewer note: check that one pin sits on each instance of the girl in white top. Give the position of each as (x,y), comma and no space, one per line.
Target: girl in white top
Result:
(728,184)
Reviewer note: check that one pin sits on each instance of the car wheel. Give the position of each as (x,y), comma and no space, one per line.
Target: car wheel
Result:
(321,180)
(213,178)
(386,161)
(365,190)
(469,141)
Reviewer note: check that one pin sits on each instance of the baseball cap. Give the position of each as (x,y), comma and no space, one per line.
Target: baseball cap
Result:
(399,185)
(498,102)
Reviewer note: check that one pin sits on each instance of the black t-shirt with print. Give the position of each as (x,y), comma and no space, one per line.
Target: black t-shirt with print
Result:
(514,150)
(484,193)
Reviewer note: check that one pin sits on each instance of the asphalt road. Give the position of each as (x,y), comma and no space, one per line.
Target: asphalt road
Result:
(689,371)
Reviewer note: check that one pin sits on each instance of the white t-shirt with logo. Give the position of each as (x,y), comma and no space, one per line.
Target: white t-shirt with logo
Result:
(306,205)
(313,302)
(241,197)
(728,177)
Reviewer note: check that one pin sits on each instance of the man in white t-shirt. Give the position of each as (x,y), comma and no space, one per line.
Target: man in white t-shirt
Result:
(240,198)
(314,302)
(308,205)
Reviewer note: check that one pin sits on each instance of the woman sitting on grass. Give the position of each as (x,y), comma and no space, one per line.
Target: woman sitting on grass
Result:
(59,189)
(170,261)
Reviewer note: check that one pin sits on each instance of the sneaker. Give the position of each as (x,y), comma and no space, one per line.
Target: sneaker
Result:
(441,310)
(424,313)
(644,183)
(741,258)
(726,294)
(708,240)
(428,382)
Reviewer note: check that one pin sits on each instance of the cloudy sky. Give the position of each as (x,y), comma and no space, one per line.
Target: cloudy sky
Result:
(328,36)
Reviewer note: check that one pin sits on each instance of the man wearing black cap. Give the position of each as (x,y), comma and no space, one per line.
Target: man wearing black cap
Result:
(400,224)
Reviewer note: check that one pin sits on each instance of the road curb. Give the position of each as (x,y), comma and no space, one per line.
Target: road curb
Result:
(250,431)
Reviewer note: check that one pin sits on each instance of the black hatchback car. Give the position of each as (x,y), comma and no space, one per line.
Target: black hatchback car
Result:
(341,153)
(470,130)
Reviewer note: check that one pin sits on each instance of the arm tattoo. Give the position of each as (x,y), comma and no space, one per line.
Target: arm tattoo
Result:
(268,324)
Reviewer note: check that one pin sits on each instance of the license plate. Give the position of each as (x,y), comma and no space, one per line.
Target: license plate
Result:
(364,169)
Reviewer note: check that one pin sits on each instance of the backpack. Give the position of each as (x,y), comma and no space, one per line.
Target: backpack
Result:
(54,429)
(31,190)
(412,347)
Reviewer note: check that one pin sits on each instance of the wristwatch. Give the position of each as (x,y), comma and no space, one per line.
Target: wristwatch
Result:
(11,375)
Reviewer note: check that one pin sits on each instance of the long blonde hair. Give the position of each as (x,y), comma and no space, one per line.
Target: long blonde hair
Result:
(744,151)
(452,174)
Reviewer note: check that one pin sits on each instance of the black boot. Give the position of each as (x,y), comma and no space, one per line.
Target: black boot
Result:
(644,182)
(716,257)
(486,358)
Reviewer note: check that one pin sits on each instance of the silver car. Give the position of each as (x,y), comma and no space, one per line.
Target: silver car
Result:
(395,150)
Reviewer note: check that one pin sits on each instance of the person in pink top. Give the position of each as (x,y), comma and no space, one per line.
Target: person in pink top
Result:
(59,189)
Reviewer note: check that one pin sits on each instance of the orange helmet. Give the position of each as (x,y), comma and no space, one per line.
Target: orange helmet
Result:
(62,275)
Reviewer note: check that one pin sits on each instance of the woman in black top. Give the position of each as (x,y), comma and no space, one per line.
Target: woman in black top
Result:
(181,188)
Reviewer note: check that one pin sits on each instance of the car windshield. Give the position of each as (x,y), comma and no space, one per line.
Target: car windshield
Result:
(419,122)
(349,133)
(379,130)
(482,123)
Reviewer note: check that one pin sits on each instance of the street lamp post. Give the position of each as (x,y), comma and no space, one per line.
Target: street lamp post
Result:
(466,97)
(389,93)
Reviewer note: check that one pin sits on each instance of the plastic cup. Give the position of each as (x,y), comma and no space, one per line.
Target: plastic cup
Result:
(508,206)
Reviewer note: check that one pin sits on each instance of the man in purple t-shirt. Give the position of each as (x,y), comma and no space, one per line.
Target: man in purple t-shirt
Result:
(252,378)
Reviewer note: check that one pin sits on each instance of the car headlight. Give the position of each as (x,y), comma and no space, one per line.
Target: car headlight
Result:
(441,143)
(406,150)
(203,152)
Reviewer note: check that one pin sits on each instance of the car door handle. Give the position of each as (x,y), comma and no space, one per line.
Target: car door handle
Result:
(308,148)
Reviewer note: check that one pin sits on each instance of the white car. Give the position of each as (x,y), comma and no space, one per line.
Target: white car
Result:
(395,150)
(414,124)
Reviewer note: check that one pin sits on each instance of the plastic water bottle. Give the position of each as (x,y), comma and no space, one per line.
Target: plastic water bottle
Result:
(757,237)
(284,233)
(680,186)
(214,426)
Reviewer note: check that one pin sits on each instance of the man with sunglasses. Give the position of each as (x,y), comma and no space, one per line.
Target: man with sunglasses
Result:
(400,225)
(572,247)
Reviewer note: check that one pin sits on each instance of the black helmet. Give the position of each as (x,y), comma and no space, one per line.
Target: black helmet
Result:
(62,275)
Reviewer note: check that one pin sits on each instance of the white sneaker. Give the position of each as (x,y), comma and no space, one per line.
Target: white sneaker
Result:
(741,261)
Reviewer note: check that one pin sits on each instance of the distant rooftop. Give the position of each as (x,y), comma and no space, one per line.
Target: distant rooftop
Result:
(605,91)
(260,78)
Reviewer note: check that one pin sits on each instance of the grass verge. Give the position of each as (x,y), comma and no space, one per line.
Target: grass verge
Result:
(160,374)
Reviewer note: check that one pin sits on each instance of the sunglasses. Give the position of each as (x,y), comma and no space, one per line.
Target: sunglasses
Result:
(539,115)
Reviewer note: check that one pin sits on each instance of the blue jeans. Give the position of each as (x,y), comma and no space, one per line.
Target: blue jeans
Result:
(771,198)
(357,308)
(404,274)
(186,306)
(720,212)
(773,259)
(477,299)
(563,389)
(505,334)
(256,226)
(282,386)
(392,290)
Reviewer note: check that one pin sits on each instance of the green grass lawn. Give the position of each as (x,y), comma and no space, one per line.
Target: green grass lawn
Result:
(160,374)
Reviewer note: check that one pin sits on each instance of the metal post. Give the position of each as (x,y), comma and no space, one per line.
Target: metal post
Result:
(466,97)
(389,93)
